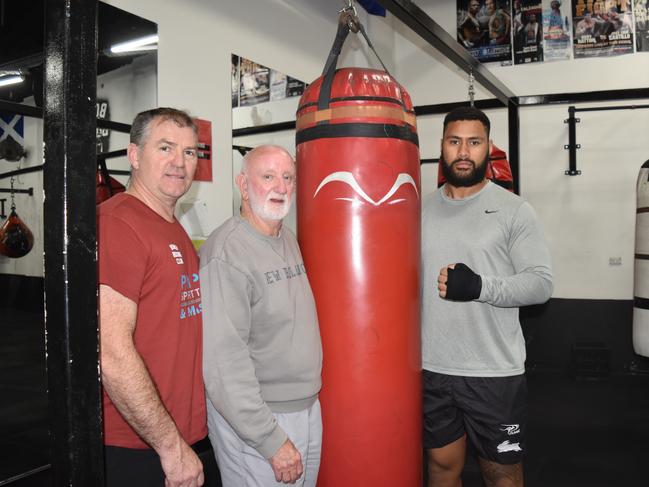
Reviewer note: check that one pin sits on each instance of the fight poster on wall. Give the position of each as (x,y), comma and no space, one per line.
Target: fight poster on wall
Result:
(527,30)
(254,83)
(556,30)
(484,29)
(602,28)
(204,167)
(640,11)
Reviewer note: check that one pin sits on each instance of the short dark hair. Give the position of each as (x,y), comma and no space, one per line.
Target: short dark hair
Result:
(467,113)
(142,123)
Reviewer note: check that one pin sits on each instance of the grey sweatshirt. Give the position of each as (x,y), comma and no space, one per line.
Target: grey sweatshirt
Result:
(498,235)
(261,341)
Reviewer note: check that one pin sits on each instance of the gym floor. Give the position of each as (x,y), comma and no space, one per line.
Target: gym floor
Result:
(592,433)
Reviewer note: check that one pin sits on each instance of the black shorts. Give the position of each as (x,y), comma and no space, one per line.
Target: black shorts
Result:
(126,467)
(491,411)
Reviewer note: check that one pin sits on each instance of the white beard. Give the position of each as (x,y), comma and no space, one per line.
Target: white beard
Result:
(268,210)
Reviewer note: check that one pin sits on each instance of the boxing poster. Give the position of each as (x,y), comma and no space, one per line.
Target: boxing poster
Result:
(484,29)
(235,81)
(602,28)
(255,83)
(527,31)
(640,8)
(204,167)
(556,30)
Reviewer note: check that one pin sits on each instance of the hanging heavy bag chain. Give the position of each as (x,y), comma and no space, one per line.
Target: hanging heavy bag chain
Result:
(471,87)
(13,203)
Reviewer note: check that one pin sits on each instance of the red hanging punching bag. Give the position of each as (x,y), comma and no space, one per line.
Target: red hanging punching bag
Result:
(107,186)
(358,211)
(16,239)
(498,170)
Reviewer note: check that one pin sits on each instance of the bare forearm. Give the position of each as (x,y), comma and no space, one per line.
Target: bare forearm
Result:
(133,393)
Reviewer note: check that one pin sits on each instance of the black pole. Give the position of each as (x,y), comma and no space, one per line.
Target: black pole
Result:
(69,132)
(514,145)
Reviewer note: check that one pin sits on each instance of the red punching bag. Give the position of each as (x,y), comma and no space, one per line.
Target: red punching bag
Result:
(16,239)
(498,170)
(107,186)
(358,211)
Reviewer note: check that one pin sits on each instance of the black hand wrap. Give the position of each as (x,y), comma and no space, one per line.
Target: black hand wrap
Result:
(463,284)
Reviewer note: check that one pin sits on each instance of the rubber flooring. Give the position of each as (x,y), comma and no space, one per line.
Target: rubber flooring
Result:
(581,433)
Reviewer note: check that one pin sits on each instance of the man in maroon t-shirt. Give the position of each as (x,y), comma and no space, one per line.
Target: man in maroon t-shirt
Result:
(150,313)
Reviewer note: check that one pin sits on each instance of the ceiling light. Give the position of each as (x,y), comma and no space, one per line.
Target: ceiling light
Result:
(147,43)
(11,80)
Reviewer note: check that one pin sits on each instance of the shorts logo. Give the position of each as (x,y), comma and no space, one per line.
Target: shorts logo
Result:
(511,429)
(506,446)
(175,253)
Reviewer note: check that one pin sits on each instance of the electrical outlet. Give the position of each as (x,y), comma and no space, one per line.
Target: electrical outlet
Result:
(615,261)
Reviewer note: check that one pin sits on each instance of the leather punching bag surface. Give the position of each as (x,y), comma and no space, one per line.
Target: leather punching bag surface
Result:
(16,239)
(498,170)
(641,270)
(107,185)
(358,210)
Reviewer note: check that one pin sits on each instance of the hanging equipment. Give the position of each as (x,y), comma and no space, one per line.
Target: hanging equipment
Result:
(107,186)
(16,239)
(498,169)
(358,212)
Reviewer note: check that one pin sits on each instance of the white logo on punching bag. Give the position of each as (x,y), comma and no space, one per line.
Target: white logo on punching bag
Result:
(349,179)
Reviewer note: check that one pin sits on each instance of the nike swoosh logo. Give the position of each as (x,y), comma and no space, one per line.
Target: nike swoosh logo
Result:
(491,211)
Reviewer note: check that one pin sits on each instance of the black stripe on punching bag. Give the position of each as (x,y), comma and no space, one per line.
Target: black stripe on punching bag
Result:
(642,256)
(641,303)
(375,130)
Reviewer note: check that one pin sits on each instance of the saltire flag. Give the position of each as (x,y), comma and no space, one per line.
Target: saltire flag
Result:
(373,7)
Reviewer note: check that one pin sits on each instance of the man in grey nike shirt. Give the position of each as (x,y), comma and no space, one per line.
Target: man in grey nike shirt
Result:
(483,256)
(262,355)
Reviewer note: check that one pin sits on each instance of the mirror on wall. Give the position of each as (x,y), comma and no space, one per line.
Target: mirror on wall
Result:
(261,98)
(126,84)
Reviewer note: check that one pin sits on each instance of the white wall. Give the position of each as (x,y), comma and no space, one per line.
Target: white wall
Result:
(588,218)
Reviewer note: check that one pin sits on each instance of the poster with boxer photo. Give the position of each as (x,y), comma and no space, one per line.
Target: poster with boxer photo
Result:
(527,30)
(556,30)
(235,81)
(255,83)
(484,29)
(602,28)
(640,8)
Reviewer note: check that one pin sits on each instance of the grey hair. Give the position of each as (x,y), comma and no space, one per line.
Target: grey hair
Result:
(141,126)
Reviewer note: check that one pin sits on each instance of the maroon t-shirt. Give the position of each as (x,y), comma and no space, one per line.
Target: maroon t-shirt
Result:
(153,263)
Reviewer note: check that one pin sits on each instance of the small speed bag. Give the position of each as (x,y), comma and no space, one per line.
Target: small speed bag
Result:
(358,213)
(16,239)
(498,170)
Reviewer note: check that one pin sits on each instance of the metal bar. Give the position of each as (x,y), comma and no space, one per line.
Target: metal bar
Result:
(20,109)
(567,98)
(604,109)
(572,143)
(433,160)
(119,172)
(419,21)
(444,108)
(24,170)
(110,155)
(263,129)
(69,135)
(513,123)
(116,126)
(29,191)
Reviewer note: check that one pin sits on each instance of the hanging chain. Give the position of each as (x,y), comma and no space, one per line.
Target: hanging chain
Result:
(13,205)
(349,16)
(471,88)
